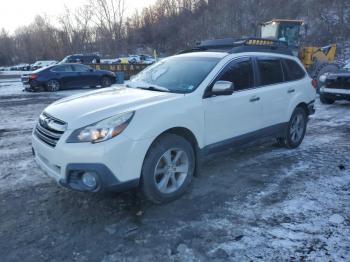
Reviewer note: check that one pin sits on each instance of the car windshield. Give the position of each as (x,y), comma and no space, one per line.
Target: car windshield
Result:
(64,60)
(40,69)
(180,74)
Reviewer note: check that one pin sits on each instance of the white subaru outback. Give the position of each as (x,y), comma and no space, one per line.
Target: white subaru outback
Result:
(151,133)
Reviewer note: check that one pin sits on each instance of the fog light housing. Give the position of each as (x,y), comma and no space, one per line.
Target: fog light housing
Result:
(89,180)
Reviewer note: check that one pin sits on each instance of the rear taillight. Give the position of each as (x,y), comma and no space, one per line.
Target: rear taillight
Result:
(314,83)
(33,77)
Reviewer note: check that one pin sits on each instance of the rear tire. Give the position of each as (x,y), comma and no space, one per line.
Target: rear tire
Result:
(106,82)
(53,86)
(167,169)
(296,129)
(326,101)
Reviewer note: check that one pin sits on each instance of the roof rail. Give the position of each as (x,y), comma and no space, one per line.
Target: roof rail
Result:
(231,45)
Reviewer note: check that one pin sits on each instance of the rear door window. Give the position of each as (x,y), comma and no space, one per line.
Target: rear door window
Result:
(292,70)
(81,68)
(240,73)
(62,68)
(270,71)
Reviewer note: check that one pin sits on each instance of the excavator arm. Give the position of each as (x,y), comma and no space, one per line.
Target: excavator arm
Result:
(311,55)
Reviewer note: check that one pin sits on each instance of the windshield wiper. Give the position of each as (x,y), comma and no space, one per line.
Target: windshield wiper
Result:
(152,88)
(146,86)
(155,88)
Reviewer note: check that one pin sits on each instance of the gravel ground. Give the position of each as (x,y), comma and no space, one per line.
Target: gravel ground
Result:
(257,203)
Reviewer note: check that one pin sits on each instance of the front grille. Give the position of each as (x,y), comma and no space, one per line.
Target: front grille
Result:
(49,129)
(339,83)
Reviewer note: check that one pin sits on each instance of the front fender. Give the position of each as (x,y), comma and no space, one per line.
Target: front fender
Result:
(152,121)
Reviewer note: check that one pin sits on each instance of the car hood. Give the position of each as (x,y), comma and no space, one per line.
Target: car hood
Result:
(84,109)
(340,73)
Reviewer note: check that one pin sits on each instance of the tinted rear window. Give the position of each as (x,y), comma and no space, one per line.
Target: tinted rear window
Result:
(292,70)
(270,71)
(62,68)
(80,68)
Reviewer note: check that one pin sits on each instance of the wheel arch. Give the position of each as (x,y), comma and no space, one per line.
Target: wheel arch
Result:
(186,134)
(53,79)
(304,106)
(298,101)
(106,76)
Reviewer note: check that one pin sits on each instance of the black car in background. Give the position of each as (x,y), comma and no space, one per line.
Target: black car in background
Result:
(335,86)
(83,59)
(67,76)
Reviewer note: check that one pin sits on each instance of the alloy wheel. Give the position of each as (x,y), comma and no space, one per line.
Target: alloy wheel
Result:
(53,85)
(297,128)
(106,82)
(171,170)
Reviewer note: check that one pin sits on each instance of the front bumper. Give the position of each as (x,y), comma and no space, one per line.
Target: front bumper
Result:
(116,163)
(335,94)
(105,179)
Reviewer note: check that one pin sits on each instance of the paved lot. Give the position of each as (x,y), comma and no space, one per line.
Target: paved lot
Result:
(256,203)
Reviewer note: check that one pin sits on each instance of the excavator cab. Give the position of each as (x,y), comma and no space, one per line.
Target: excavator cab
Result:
(317,60)
(283,30)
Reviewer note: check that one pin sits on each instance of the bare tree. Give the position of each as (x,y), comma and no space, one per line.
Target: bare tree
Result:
(76,26)
(7,48)
(108,19)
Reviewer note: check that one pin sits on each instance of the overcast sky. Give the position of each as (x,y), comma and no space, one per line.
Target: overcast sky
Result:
(15,13)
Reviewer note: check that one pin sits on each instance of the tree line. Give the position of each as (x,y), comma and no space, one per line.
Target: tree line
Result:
(168,26)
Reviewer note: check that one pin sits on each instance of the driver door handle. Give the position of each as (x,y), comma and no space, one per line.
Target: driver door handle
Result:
(291,90)
(254,99)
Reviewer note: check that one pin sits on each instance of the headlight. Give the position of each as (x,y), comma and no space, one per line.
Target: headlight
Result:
(323,78)
(102,130)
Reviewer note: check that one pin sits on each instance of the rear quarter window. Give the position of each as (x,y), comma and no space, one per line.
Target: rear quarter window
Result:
(292,70)
(62,68)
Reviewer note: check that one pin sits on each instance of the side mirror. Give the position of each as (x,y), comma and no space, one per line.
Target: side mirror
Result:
(222,88)
(92,70)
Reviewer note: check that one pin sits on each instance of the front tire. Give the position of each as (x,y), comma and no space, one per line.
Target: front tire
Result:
(53,86)
(326,101)
(167,169)
(296,129)
(106,82)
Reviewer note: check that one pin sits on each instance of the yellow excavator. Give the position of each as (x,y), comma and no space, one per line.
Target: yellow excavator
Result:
(317,60)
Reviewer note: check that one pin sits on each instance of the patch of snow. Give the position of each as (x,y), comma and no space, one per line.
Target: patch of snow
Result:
(185,253)
(10,87)
(11,73)
(336,219)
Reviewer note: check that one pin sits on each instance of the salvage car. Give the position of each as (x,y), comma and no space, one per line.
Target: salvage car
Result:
(141,59)
(21,67)
(67,76)
(335,86)
(152,133)
(82,59)
(41,64)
